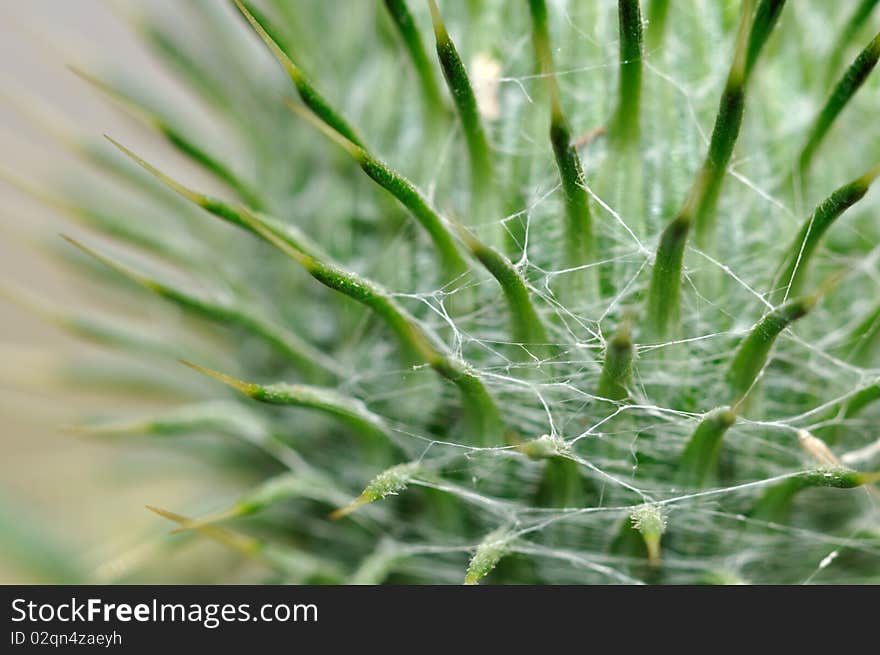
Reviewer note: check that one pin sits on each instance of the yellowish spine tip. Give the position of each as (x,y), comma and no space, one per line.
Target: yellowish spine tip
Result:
(817,449)
(116,266)
(29,302)
(868,178)
(824,289)
(437,22)
(290,68)
(211,519)
(38,194)
(357,503)
(245,545)
(127,105)
(91,79)
(351,148)
(167,514)
(467,237)
(41,114)
(869,478)
(88,430)
(186,192)
(652,543)
(247,388)
(80,245)
(557,116)
(623,336)
(254,223)
(738,70)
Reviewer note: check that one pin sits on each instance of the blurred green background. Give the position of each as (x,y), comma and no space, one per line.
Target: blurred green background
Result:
(57,519)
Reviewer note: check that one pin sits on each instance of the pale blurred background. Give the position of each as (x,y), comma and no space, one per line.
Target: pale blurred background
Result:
(59,491)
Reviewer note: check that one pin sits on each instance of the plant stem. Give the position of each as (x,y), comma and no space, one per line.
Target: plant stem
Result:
(625,124)
(776,502)
(404,191)
(699,461)
(620,354)
(857,20)
(793,269)
(403,21)
(843,92)
(664,290)
(754,350)
(579,241)
(699,206)
(310,96)
(322,399)
(526,326)
(459,85)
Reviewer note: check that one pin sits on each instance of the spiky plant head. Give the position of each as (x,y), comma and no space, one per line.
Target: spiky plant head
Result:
(541,292)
